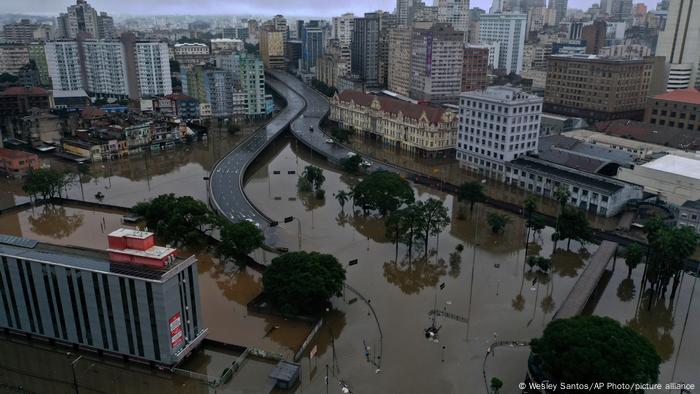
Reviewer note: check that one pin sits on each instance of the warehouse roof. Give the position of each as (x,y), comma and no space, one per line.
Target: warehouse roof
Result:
(677,165)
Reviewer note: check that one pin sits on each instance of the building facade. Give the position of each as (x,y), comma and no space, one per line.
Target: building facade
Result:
(272,49)
(399,73)
(18,100)
(475,68)
(13,58)
(678,42)
(63,63)
(16,164)
(436,63)
(104,68)
(508,30)
(312,44)
(422,129)
(597,88)
(456,13)
(134,300)
(365,48)
(679,108)
(81,17)
(497,125)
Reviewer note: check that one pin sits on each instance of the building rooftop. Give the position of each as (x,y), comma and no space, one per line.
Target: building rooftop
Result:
(82,258)
(393,105)
(24,91)
(580,178)
(691,204)
(677,165)
(690,96)
(503,94)
(653,134)
(15,154)
(583,156)
(92,113)
(69,93)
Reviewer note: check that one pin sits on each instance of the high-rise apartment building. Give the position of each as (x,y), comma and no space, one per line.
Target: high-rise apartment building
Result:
(508,30)
(63,63)
(497,125)
(456,13)
(312,44)
(678,42)
(104,68)
(38,55)
(133,300)
(387,21)
(190,54)
(81,17)
(152,69)
(475,67)
(436,63)
(399,73)
(343,27)
(249,80)
(212,86)
(592,87)
(406,10)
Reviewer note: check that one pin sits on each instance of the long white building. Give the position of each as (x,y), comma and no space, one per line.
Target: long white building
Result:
(497,125)
(507,29)
(152,69)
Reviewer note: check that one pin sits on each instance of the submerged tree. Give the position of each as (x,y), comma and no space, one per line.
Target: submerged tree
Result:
(382,191)
(472,192)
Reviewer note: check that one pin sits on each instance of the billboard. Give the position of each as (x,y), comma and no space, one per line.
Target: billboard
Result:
(176,336)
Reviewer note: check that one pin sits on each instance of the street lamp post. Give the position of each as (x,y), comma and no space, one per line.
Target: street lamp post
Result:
(72,368)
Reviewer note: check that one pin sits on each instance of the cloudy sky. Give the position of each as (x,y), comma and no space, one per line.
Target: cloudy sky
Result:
(218,7)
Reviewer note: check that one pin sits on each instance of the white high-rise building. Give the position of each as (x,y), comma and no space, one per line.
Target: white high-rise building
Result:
(507,29)
(104,65)
(497,125)
(343,27)
(456,13)
(679,42)
(63,63)
(152,69)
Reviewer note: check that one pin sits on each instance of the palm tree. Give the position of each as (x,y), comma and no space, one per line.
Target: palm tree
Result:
(562,195)
(529,206)
(633,258)
(342,197)
(498,222)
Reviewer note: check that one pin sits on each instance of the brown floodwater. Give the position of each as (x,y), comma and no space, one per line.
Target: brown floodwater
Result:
(127,181)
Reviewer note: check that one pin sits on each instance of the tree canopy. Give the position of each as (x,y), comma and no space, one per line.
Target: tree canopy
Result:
(433,218)
(299,282)
(472,192)
(670,247)
(351,164)
(239,239)
(180,220)
(573,225)
(382,191)
(595,349)
(497,222)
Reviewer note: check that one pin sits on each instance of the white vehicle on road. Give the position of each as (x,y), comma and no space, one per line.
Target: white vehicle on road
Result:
(329,140)
(254,222)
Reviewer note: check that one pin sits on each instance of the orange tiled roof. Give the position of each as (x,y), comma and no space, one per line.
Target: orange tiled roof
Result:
(20,91)
(690,96)
(394,106)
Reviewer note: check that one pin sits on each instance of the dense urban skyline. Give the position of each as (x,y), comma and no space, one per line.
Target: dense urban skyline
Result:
(220,7)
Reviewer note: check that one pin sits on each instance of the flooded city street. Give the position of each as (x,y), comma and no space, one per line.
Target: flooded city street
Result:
(374,338)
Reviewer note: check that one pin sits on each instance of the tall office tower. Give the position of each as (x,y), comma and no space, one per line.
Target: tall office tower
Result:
(81,17)
(475,68)
(497,125)
(279,23)
(560,7)
(679,43)
(63,63)
(508,30)
(134,300)
(399,73)
(104,68)
(594,35)
(436,63)
(365,48)
(621,10)
(272,48)
(496,6)
(454,12)
(312,44)
(387,21)
(405,11)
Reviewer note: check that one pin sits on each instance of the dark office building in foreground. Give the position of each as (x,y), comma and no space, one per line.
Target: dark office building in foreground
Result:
(135,300)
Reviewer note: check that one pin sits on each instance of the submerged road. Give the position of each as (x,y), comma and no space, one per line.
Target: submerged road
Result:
(226,178)
(303,114)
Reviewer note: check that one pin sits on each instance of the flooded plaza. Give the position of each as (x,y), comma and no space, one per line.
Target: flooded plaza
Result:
(373,339)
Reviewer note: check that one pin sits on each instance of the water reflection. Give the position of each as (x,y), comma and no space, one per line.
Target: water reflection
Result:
(567,263)
(55,222)
(626,290)
(412,275)
(655,323)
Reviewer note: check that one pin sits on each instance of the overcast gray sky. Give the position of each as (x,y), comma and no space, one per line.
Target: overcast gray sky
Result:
(324,8)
